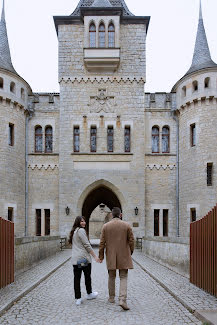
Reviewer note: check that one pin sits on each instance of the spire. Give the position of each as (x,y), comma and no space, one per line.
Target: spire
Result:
(101,3)
(201,58)
(5,56)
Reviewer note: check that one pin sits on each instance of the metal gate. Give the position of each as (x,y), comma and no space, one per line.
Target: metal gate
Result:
(6,252)
(203,252)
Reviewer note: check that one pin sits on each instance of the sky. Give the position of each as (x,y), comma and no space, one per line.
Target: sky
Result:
(170,40)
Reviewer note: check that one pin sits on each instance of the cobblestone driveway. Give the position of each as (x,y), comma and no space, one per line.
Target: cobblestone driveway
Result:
(52,303)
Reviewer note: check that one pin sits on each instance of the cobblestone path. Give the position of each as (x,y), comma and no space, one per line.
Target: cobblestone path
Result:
(52,303)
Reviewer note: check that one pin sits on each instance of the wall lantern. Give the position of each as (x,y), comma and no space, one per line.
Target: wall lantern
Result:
(136,211)
(67,210)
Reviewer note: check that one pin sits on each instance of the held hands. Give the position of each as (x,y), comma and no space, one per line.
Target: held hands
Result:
(97,260)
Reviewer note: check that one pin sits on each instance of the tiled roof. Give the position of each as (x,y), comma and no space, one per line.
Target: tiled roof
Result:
(102,3)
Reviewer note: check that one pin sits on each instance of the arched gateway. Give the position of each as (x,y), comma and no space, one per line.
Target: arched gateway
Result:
(97,193)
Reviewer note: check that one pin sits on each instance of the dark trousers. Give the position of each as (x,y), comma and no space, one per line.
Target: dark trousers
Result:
(77,279)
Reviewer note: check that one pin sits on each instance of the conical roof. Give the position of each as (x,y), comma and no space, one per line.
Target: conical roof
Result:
(201,58)
(102,3)
(5,55)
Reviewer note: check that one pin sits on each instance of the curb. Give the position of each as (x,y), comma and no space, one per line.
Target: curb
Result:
(33,286)
(192,311)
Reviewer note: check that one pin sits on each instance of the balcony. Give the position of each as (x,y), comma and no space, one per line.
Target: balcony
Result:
(101,59)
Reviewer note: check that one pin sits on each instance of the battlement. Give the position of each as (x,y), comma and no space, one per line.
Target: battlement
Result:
(160,100)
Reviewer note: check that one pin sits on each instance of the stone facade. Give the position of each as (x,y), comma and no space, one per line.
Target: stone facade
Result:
(108,92)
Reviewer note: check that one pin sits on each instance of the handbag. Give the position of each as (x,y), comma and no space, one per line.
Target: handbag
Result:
(82,263)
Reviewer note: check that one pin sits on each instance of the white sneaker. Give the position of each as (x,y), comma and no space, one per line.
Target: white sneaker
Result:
(92,295)
(78,302)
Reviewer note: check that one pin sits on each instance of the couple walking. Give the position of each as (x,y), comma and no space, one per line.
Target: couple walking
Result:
(118,241)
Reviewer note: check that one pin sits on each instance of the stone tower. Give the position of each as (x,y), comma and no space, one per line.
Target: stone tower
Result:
(14,92)
(196,104)
(102,73)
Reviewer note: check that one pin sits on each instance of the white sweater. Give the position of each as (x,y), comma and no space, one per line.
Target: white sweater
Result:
(81,247)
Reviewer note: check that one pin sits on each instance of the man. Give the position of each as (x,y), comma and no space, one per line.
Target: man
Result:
(117,238)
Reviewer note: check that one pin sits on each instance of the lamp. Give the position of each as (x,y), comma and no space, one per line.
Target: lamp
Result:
(67,210)
(136,211)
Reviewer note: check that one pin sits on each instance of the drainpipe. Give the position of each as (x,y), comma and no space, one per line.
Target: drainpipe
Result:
(28,117)
(175,117)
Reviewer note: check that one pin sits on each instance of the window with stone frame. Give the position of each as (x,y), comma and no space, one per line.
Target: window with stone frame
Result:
(1,83)
(38,222)
(92,35)
(101,35)
(48,139)
(155,140)
(111,35)
(11,135)
(127,139)
(193,134)
(12,87)
(93,138)
(110,139)
(206,82)
(193,214)
(76,139)
(156,222)
(38,139)
(165,139)
(209,174)
(10,214)
(47,221)
(165,222)
(195,85)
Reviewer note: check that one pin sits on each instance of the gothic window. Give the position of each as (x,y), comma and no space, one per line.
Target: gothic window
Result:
(165,223)
(193,134)
(156,222)
(11,135)
(209,174)
(110,139)
(48,139)
(76,139)
(195,85)
(47,221)
(101,35)
(12,87)
(92,32)
(1,83)
(165,139)
(155,139)
(206,82)
(127,140)
(38,222)
(93,133)
(38,139)
(111,35)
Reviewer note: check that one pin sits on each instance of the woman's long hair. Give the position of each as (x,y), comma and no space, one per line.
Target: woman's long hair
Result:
(75,226)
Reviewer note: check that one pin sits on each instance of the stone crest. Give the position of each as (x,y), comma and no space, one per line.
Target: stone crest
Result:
(102,102)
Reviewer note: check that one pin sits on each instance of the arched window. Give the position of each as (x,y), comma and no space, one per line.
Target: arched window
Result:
(155,139)
(206,82)
(92,32)
(111,35)
(195,85)
(76,139)
(38,139)
(93,134)
(127,140)
(1,83)
(48,139)
(165,139)
(12,87)
(101,35)
(110,139)
(184,91)
(22,93)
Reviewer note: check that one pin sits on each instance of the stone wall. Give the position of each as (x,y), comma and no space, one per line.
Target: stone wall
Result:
(29,250)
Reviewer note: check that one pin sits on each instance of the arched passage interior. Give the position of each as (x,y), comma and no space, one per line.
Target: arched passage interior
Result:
(101,194)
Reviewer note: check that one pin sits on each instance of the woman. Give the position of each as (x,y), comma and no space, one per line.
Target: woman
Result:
(81,259)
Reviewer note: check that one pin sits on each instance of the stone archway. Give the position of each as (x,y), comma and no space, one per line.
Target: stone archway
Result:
(100,194)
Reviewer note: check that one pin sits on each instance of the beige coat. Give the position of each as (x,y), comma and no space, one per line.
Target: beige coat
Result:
(117,238)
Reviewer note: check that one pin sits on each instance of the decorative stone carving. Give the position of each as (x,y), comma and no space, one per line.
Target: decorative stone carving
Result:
(102,102)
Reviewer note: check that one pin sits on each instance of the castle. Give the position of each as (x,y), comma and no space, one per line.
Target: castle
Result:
(102,139)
